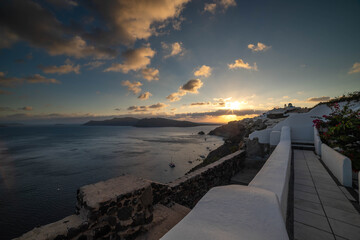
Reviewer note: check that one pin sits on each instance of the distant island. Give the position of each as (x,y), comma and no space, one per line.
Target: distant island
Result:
(145,122)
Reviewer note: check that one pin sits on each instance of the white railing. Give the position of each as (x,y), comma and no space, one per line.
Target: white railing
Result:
(274,175)
(338,164)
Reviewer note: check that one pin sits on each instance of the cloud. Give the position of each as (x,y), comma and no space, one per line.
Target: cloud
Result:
(318,99)
(3,92)
(150,74)
(26,108)
(227,3)
(128,21)
(174,49)
(210,7)
(132,87)
(6,109)
(221,101)
(154,107)
(117,109)
(145,96)
(221,112)
(63,69)
(355,68)
(260,47)
(191,86)
(176,96)
(204,71)
(94,64)
(28,21)
(200,104)
(222,4)
(239,63)
(285,97)
(63,3)
(37,78)
(135,59)
(14,81)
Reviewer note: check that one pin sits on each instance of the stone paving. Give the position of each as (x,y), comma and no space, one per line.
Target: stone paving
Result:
(322,209)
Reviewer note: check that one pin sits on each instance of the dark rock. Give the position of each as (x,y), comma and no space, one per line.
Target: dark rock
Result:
(125,213)
(101,231)
(201,133)
(127,203)
(82,237)
(60,237)
(112,221)
(72,232)
(120,228)
(139,219)
(147,197)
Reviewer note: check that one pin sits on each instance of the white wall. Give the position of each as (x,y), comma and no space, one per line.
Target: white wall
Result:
(232,212)
(338,164)
(301,126)
(274,175)
(317,142)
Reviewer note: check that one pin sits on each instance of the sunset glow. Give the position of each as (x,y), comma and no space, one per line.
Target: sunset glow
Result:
(85,60)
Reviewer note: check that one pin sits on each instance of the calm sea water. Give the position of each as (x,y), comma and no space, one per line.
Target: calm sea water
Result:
(41,167)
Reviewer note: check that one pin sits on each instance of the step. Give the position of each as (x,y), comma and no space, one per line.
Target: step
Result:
(303,143)
(303,146)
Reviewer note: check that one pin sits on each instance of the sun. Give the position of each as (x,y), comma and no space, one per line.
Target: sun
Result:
(233,105)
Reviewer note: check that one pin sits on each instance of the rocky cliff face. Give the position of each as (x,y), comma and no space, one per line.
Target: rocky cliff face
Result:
(239,129)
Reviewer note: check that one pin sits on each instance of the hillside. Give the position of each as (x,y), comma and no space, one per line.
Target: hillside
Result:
(145,122)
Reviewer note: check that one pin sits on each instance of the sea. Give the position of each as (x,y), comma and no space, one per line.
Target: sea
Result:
(41,167)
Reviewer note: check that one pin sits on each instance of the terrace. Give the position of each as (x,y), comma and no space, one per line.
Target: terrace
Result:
(296,195)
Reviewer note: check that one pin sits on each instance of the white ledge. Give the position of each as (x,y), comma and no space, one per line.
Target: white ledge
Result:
(232,212)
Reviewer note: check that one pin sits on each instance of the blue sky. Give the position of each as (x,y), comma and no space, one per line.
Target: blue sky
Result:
(68,61)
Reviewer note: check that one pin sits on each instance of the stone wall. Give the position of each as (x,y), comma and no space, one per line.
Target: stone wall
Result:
(121,208)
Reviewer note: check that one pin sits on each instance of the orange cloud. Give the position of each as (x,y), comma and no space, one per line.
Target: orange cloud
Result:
(133,87)
(129,21)
(154,107)
(355,68)
(175,48)
(135,59)
(260,47)
(191,86)
(204,71)
(239,63)
(150,74)
(13,81)
(63,69)
(145,96)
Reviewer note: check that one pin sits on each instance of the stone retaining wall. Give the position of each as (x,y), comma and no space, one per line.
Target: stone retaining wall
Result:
(120,208)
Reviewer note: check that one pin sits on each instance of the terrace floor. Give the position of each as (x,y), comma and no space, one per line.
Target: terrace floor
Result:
(322,208)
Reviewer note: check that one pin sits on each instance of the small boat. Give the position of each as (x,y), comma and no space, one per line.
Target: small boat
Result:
(172,165)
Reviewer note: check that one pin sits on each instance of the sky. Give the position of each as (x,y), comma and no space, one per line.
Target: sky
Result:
(69,61)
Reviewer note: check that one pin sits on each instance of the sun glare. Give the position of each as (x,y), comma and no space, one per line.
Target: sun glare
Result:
(233,105)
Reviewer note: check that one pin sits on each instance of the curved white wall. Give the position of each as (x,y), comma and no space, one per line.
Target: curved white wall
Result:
(338,164)
(232,212)
(317,142)
(274,175)
(301,126)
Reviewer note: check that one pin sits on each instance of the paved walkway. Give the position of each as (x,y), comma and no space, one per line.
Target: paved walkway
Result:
(322,209)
